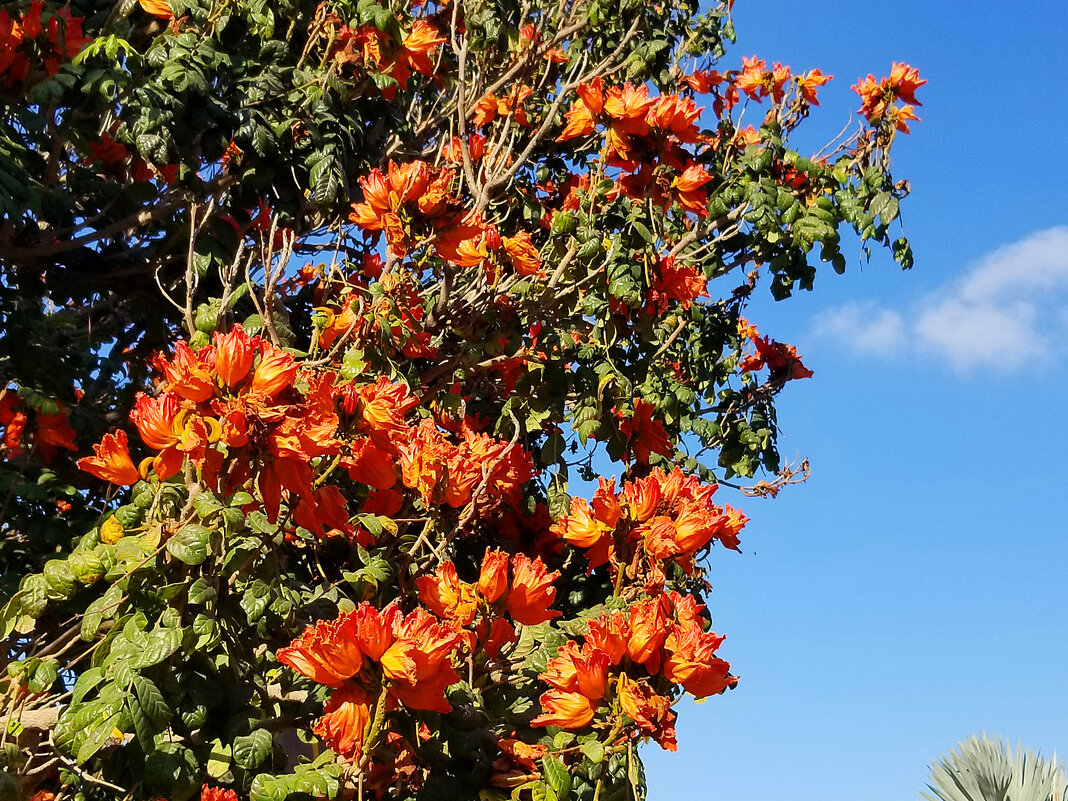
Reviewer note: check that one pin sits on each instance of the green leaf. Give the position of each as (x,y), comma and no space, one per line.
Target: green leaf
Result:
(240,499)
(556,776)
(593,751)
(60,578)
(255,599)
(86,683)
(103,607)
(206,504)
(885,205)
(159,645)
(172,771)
(44,676)
(96,739)
(86,566)
(552,449)
(219,759)
(191,544)
(251,750)
(201,591)
(151,702)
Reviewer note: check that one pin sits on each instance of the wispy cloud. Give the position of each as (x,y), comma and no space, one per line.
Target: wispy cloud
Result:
(1014,298)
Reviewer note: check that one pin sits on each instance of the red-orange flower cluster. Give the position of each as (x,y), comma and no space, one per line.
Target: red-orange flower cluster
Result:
(644,136)
(30,38)
(782,360)
(878,98)
(667,516)
(442,471)
(374,657)
(48,432)
(381,54)
(414,204)
(661,636)
(527,597)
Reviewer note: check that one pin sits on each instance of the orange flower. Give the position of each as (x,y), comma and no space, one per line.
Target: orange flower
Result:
(446,596)
(157,8)
(482,245)
(417,45)
(688,189)
(111,460)
(376,634)
(524,256)
(489,107)
(675,282)
(651,712)
(750,81)
(757,81)
(902,116)
(65,34)
(379,411)
(648,621)
(610,633)
(274,373)
(346,718)
(431,647)
(53,431)
(582,670)
(327,653)
(877,97)
(564,709)
(217,794)
(808,83)
(423,458)
(188,376)
(582,117)
(677,116)
(155,418)
(644,434)
(691,661)
(783,360)
(234,353)
(905,80)
(385,197)
(371,465)
(532,591)
(493,577)
(628,106)
(476,148)
(494,637)
(642,497)
(592,527)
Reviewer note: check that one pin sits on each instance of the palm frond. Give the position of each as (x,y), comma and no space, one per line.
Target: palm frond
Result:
(982,769)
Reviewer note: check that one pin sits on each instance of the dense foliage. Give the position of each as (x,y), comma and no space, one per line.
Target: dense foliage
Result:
(315,316)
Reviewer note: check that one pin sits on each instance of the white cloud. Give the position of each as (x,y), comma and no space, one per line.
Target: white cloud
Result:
(863,327)
(1010,302)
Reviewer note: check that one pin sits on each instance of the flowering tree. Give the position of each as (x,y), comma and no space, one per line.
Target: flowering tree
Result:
(313,314)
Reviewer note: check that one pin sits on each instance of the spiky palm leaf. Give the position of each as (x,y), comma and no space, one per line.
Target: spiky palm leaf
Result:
(986,770)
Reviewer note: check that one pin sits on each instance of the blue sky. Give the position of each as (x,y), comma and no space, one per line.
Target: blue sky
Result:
(914,591)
